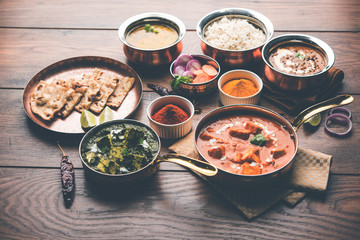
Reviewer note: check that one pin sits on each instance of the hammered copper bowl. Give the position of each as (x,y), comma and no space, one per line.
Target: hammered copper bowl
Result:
(199,89)
(295,83)
(153,57)
(235,58)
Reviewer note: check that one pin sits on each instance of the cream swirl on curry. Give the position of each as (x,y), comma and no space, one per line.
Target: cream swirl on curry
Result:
(297,60)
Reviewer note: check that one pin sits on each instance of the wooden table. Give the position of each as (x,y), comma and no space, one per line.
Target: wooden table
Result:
(176,204)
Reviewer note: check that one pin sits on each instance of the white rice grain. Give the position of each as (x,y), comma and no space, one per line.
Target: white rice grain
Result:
(234,34)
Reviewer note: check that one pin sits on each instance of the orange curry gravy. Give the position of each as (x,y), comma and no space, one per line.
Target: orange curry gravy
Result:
(226,144)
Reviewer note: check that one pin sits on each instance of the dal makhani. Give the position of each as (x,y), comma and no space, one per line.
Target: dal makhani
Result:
(297,59)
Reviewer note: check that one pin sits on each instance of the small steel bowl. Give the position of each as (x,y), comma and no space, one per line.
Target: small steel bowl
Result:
(296,83)
(153,57)
(235,58)
(171,131)
(227,99)
(198,89)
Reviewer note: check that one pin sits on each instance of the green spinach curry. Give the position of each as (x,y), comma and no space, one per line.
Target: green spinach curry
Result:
(120,149)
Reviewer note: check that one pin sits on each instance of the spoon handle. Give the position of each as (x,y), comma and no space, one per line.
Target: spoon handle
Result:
(194,164)
(319,107)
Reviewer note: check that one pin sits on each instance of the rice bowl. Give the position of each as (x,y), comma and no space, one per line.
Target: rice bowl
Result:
(234,34)
(236,58)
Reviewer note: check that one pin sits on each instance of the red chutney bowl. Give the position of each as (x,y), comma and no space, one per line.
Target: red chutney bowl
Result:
(171,131)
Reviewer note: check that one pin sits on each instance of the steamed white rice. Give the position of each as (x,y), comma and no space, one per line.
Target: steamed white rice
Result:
(234,34)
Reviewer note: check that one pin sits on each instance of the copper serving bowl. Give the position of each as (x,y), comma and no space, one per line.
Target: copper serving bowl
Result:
(153,57)
(297,83)
(199,89)
(235,58)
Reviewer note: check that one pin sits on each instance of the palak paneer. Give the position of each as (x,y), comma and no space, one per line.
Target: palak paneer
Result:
(120,149)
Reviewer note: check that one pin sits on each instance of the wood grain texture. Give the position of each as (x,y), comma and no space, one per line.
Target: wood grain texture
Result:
(165,208)
(174,204)
(307,15)
(32,146)
(27,51)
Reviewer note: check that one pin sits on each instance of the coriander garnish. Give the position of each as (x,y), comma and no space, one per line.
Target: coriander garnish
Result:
(300,56)
(258,140)
(149,28)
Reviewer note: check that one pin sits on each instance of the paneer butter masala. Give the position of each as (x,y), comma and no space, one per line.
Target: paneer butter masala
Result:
(248,145)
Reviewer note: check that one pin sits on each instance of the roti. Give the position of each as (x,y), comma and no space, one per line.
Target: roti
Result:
(92,91)
(49,98)
(123,87)
(89,87)
(108,84)
(73,99)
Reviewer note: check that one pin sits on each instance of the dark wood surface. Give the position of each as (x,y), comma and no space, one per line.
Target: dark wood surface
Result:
(176,204)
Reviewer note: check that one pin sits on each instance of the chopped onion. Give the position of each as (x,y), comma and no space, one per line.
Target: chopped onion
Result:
(188,74)
(182,60)
(341,110)
(341,119)
(193,65)
(179,70)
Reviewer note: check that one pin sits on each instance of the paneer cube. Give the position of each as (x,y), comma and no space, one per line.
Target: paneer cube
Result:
(278,152)
(205,136)
(217,152)
(253,128)
(250,155)
(239,133)
(250,169)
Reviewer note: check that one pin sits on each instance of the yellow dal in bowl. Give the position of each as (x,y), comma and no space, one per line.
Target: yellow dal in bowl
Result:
(161,36)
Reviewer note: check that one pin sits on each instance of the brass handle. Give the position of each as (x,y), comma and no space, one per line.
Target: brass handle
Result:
(204,168)
(319,107)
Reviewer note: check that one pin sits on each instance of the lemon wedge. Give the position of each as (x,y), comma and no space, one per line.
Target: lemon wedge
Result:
(87,120)
(106,115)
(314,121)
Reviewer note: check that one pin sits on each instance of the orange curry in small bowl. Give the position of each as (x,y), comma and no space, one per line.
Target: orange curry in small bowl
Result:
(246,144)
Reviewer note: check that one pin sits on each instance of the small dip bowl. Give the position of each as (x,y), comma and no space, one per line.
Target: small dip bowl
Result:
(235,58)
(297,83)
(198,89)
(227,99)
(152,56)
(171,131)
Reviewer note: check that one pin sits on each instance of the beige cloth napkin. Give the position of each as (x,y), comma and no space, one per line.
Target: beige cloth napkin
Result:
(310,172)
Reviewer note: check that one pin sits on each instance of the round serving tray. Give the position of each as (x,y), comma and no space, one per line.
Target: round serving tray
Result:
(76,67)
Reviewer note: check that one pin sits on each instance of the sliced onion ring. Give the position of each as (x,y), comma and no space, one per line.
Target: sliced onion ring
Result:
(341,110)
(341,119)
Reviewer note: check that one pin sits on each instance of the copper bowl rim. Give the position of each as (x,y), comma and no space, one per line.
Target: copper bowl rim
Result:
(308,40)
(257,18)
(218,113)
(139,19)
(116,122)
(204,83)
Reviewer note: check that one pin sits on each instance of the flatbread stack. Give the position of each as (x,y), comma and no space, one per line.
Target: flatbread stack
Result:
(91,92)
